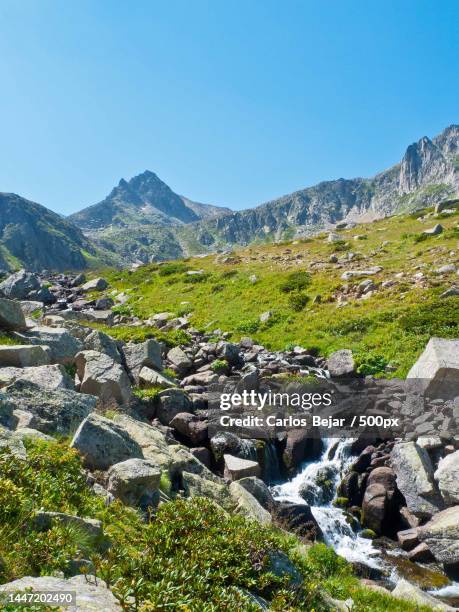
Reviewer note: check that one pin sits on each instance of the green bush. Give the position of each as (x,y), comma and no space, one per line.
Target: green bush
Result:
(297,301)
(175,267)
(219,366)
(295,281)
(371,364)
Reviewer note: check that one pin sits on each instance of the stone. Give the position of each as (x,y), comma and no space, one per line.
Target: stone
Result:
(91,595)
(57,411)
(43,294)
(29,307)
(413,594)
(170,403)
(96,284)
(434,231)
(414,471)
(421,554)
(195,485)
(102,376)
(135,482)
(190,426)
(78,280)
(256,487)
(436,372)
(151,378)
(47,376)
(350,274)
(103,443)
(265,316)
(21,356)
(299,519)
(236,467)
(146,353)
(103,343)
(408,538)
(12,443)
(11,315)
(298,447)
(230,352)
(247,505)
(441,534)
(341,363)
(179,360)
(374,507)
(446,269)
(452,291)
(62,345)
(18,285)
(447,476)
(202,454)
(104,303)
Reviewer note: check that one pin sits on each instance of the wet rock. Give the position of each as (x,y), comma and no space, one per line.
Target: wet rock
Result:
(408,538)
(298,518)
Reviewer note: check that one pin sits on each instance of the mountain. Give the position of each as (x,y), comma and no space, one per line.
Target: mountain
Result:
(427,174)
(37,238)
(143,200)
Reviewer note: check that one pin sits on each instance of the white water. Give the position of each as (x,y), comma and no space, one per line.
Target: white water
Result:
(337,532)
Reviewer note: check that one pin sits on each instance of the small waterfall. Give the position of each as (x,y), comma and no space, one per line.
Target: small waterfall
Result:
(316,476)
(271,467)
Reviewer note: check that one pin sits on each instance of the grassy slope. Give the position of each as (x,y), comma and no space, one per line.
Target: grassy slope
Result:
(394,324)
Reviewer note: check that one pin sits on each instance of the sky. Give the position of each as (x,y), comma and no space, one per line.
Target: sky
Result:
(230,102)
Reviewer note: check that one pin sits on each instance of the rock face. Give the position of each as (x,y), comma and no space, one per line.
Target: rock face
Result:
(438,368)
(447,476)
(51,411)
(11,315)
(441,534)
(19,285)
(22,356)
(104,443)
(47,376)
(414,471)
(101,376)
(135,482)
(90,597)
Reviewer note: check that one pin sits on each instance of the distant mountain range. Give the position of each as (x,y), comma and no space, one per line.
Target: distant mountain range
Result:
(143,219)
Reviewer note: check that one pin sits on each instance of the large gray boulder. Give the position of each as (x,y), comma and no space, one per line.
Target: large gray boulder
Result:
(247,505)
(236,468)
(341,363)
(95,284)
(414,471)
(190,426)
(58,411)
(12,443)
(47,376)
(447,476)
(91,595)
(436,372)
(103,343)
(18,285)
(22,356)
(441,534)
(102,376)
(63,346)
(170,403)
(415,595)
(256,487)
(146,353)
(135,482)
(103,443)
(179,360)
(11,315)
(151,378)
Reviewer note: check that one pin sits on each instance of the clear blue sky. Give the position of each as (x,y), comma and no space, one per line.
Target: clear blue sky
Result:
(230,102)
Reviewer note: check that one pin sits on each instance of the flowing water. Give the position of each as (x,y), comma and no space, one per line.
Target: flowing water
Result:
(330,468)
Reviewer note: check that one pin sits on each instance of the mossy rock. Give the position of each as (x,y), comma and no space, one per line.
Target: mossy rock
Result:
(368,534)
(423,577)
(341,502)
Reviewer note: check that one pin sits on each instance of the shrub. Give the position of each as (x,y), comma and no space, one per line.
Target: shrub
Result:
(175,267)
(295,281)
(248,327)
(371,364)
(297,301)
(219,366)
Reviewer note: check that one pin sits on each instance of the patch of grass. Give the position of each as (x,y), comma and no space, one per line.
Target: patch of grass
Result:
(219,366)
(138,334)
(150,394)
(5,338)
(298,300)
(175,267)
(295,281)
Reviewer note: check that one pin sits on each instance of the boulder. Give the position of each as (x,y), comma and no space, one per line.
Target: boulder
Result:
(151,378)
(43,294)
(179,360)
(447,476)
(248,505)
(299,446)
(436,372)
(103,343)
(47,376)
(102,376)
(414,471)
(58,411)
(298,518)
(413,594)
(374,507)
(103,443)
(135,482)
(441,534)
(408,538)
(12,443)
(96,284)
(170,403)
(236,468)
(434,231)
(230,352)
(62,345)
(29,307)
(190,426)
(18,285)
(256,487)
(341,363)
(146,353)
(195,485)
(91,595)
(21,356)
(11,315)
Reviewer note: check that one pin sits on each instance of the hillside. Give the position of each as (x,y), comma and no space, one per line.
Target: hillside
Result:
(316,291)
(34,237)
